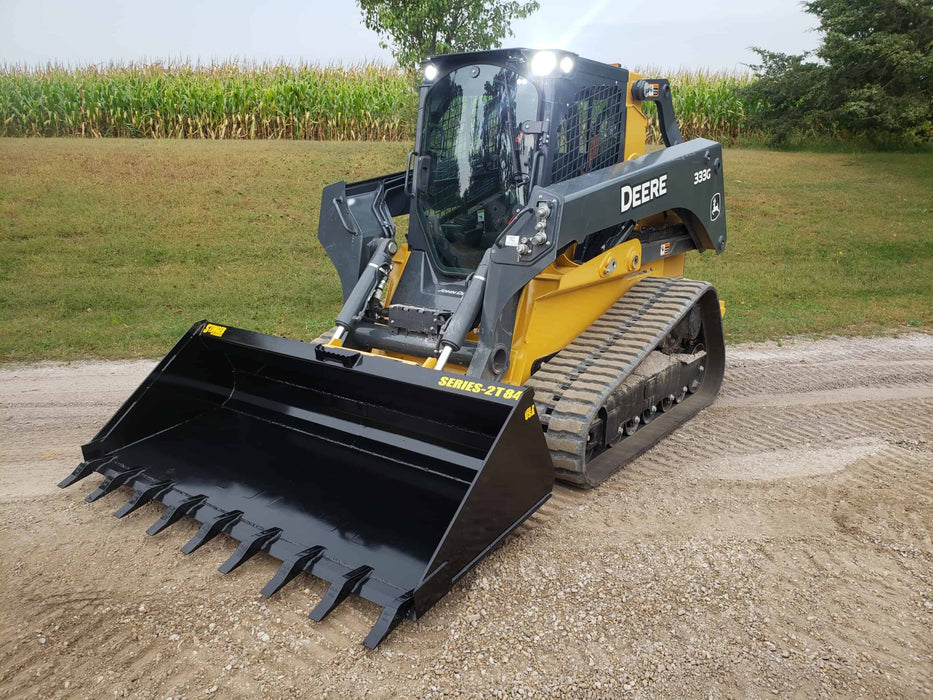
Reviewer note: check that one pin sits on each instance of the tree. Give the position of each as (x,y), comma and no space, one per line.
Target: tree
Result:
(874,77)
(415,29)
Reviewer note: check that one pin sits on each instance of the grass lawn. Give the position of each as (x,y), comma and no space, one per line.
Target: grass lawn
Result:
(824,243)
(112,248)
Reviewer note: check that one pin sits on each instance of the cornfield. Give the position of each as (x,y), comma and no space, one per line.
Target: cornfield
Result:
(707,104)
(234,101)
(221,101)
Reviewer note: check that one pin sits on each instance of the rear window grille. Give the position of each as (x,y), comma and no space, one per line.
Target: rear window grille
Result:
(590,133)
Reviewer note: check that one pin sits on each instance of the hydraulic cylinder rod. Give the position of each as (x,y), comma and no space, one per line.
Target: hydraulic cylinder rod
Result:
(464,318)
(373,274)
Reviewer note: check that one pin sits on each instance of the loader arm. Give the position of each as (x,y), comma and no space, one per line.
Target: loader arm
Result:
(663,181)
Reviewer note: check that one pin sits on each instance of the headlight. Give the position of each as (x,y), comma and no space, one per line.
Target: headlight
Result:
(543,63)
(566,64)
(430,72)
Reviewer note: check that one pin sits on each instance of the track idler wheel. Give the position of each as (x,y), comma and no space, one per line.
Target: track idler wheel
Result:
(648,414)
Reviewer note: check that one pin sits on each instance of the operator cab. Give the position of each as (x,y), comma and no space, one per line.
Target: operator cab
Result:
(491,126)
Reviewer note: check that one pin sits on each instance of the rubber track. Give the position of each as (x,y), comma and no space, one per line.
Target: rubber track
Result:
(572,386)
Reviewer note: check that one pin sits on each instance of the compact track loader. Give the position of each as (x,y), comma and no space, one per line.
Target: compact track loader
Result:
(534,324)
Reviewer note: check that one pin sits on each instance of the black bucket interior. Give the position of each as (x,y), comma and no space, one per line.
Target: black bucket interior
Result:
(372,467)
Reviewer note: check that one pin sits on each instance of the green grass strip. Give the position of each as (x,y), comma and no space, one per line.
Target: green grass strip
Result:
(112,248)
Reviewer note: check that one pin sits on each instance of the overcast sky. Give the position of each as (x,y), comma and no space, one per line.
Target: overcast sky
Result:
(672,34)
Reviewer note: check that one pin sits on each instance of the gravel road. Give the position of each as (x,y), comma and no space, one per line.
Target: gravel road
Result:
(780,543)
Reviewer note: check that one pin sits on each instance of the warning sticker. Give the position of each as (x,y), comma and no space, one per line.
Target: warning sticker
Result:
(665,249)
(214,330)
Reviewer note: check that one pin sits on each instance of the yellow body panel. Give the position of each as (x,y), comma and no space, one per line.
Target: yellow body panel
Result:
(564,299)
(636,123)
(667,267)
(399,260)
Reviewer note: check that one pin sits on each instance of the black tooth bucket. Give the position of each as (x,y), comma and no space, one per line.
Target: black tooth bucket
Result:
(384,478)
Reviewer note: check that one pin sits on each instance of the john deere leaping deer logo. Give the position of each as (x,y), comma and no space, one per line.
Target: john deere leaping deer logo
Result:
(715,206)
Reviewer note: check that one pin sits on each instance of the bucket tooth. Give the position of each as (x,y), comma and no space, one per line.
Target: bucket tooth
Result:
(211,529)
(113,483)
(175,513)
(339,590)
(291,568)
(82,470)
(389,618)
(248,548)
(141,498)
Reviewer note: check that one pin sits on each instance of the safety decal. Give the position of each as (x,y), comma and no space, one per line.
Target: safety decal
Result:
(665,249)
(471,387)
(214,330)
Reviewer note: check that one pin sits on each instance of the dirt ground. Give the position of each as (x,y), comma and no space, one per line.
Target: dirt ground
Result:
(781,543)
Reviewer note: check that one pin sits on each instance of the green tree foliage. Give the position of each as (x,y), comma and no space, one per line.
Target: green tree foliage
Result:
(874,77)
(415,29)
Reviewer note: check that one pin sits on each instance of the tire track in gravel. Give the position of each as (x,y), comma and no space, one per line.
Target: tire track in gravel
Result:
(781,541)
(777,422)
